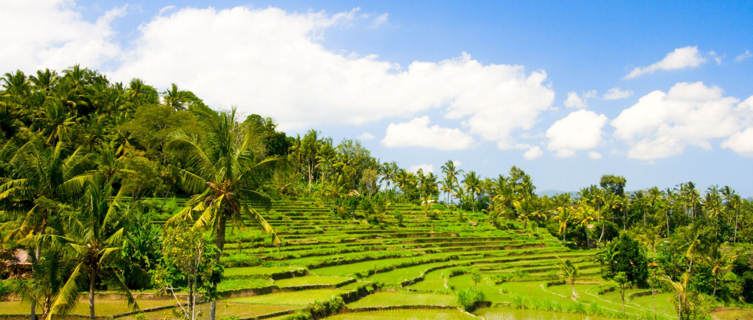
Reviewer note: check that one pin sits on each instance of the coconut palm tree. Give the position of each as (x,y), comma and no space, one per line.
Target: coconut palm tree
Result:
(224,175)
(450,181)
(472,185)
(96,236)
(44,181)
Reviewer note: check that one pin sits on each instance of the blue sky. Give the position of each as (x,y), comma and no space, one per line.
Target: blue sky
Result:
(495,86)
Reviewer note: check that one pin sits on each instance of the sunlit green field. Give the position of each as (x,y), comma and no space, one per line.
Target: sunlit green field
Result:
(439,256)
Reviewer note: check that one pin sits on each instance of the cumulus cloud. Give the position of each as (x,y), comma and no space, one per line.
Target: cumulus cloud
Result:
(662,124)
(680,58)
(742,141)
(617,94)
(743,56)
(575,101)
(425,167)
(594,155)
(418,133)
(51,34)
(366,136)
(271,62)
(579,130)
(533,152)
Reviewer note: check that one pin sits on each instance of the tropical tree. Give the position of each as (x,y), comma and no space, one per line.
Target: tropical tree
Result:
(224,174)
(450,180)
(96,237)
(43,184)
(472,185)
(569,271)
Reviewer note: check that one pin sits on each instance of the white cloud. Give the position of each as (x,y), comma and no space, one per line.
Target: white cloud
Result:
(457,163)
(380,20)
(680,58)
(366,136)
(418,133)
(743,56)
(580,130)
(51,34)
(270,62)
(742,141)
(594,155)
(575,101)
(533,153)
(617,94)
(425,167)
(717,58)
(663,124)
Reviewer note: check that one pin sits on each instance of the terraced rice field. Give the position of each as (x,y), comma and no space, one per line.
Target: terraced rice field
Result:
(412,271)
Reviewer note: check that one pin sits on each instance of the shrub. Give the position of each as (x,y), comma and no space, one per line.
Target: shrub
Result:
(470,298)
(5,289)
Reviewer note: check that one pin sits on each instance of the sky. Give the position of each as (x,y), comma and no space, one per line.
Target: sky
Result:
(660,92)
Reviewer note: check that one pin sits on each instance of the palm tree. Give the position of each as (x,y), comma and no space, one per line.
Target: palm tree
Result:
(96,236)
(44,180)
(450,180)
(563,215)
(720,261)
(224,174)
(473,187)
(570,272)
(732,203)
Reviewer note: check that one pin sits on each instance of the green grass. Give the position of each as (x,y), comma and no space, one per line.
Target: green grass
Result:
(103,307)
(243,283)
(258,271)
(414,314)
(298,298)
(224,309)
(403,298)
(311,280)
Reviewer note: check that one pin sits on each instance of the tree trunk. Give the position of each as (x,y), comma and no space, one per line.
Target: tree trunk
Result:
(714,292)
(737,213)
(667,215)
(92,281)
(603,227)
(35,258)
(220,244)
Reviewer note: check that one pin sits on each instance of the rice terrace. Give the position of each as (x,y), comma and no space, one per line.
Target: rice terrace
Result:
(248,161)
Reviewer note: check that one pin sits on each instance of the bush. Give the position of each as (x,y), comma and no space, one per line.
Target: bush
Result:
(6,288)
(469,298)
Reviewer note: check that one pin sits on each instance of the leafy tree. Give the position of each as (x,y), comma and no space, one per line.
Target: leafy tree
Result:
(569,272)
(95,238)
(188,259)
(623,283)
(625,254)
(224,174)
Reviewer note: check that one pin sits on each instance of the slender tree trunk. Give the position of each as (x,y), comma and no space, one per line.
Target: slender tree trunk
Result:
(92,281)
(35,258)
(220,244)
(737,213)
(714,291)
(603,227)
(667,215)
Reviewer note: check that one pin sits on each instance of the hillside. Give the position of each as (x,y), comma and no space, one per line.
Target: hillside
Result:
(394,270)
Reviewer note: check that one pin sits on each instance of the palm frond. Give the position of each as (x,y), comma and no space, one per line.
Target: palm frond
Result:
(68,295)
